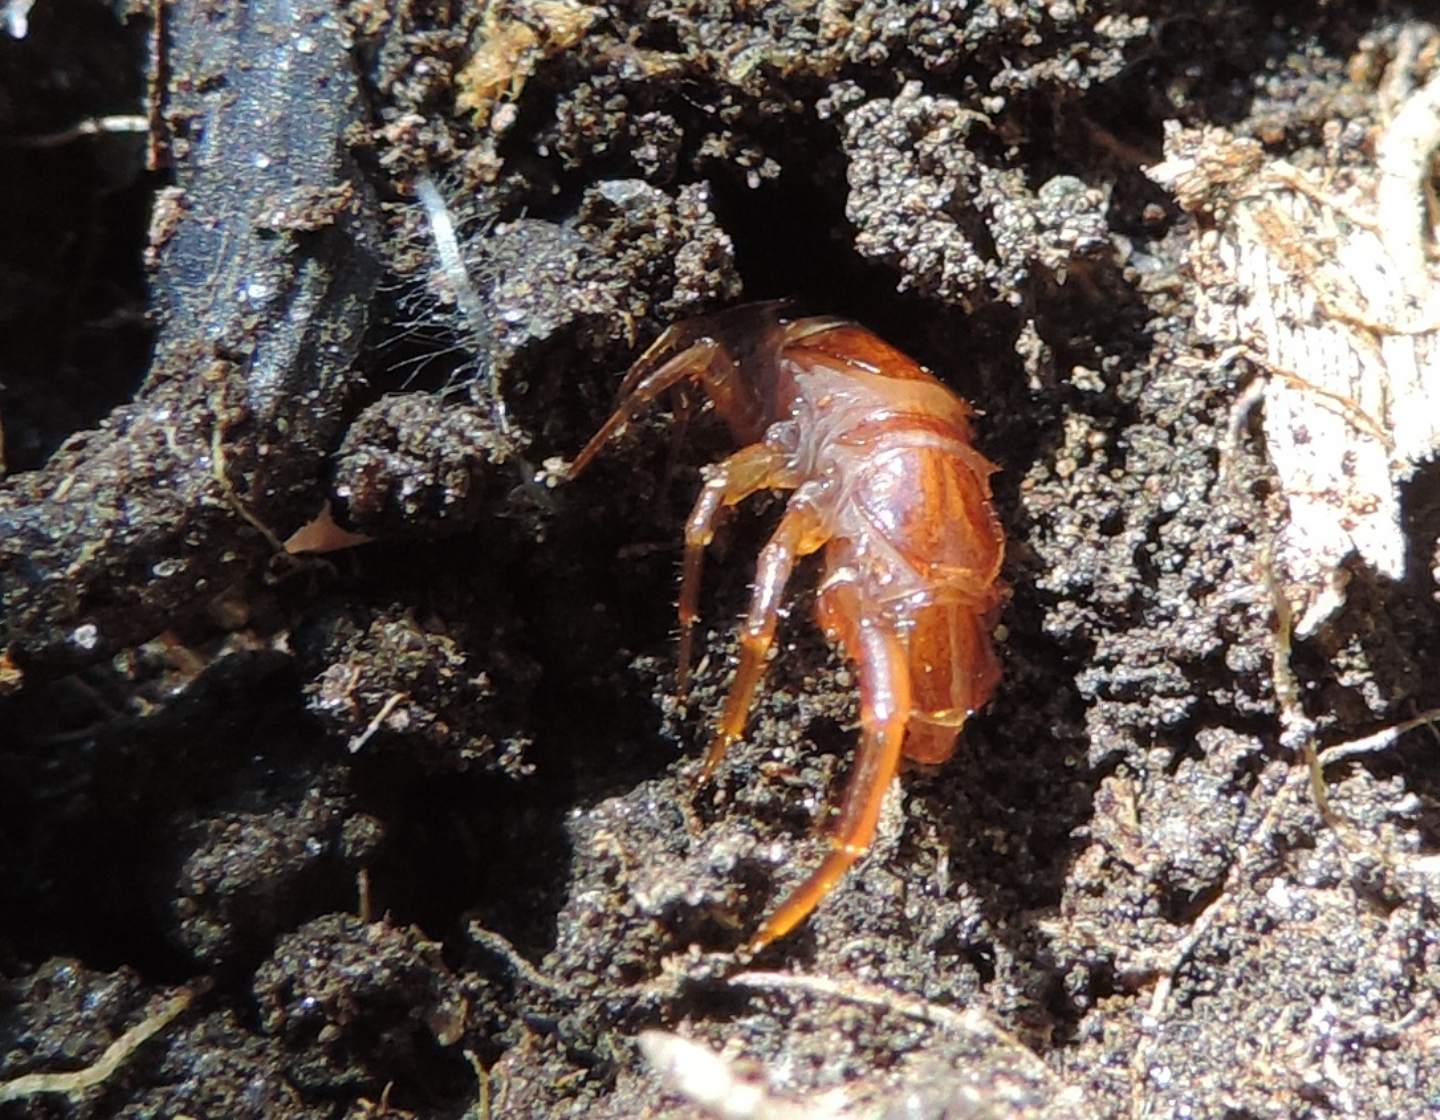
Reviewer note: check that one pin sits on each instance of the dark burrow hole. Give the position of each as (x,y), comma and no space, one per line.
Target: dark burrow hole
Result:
(793,242)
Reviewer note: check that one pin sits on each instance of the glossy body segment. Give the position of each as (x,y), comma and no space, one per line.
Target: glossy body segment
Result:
(887,482)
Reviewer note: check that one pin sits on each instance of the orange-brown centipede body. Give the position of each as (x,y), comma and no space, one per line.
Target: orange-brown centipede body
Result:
(878,456)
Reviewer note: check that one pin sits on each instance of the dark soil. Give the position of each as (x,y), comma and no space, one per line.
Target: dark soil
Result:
(418,820)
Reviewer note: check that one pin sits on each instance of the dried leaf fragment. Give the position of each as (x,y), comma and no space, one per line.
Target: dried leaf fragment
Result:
(323,534)
(1327,287)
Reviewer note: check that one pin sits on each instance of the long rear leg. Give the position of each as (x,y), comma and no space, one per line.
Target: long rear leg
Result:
(879,656)
(727,483)
(801,531)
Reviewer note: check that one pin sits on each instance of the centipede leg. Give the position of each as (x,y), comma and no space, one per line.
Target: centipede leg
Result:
(801,531)
(880,657)
(687,365)
(727,483)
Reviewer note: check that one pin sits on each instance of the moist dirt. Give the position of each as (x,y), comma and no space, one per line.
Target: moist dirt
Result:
(415,824)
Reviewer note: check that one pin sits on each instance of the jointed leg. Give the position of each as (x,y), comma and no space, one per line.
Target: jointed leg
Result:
(884,710)
(800,532)
(673,340)
(637,392)
(682,411)
(727,483)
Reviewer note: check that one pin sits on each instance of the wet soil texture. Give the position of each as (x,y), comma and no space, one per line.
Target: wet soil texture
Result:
(412,827)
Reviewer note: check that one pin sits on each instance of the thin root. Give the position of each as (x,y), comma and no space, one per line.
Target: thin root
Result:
(500,945)
(357,744)
(72,1083)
